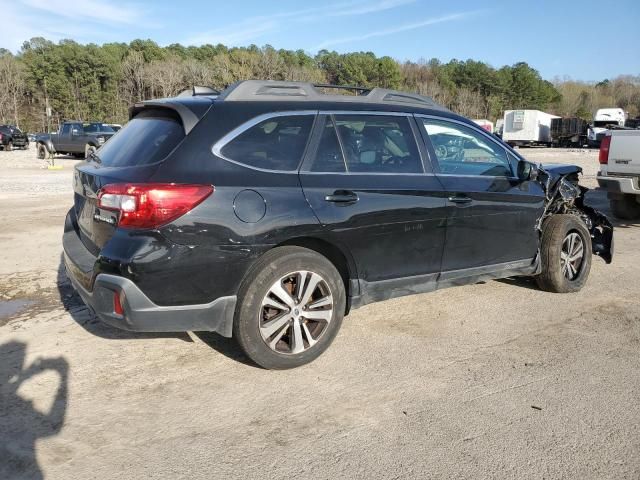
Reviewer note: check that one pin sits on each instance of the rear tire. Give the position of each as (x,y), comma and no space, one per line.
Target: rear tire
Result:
(565,254)
(42,152)
(290,308)
(625,207)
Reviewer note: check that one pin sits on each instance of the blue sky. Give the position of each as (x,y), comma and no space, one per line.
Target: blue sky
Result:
(583,39)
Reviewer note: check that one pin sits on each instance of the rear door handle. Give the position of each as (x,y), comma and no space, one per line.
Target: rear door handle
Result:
(460,200)
(342,196)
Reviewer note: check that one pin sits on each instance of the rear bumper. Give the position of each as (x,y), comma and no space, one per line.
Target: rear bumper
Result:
(142,315)
(627,185)
(139,312)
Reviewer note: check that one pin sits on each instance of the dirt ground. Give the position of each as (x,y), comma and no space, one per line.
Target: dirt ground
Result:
(495,380)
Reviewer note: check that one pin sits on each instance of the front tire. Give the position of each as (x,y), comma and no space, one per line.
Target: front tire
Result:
(625,207)
(42,152)
(565,254)
(290,308)
(9,146)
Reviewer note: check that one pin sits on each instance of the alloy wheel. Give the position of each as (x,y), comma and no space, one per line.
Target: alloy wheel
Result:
(296,312)
(572,255)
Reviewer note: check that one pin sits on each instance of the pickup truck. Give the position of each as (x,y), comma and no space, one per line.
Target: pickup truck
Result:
(619,172)
(74,138)
(11,137)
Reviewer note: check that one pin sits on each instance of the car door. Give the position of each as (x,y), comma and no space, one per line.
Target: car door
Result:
(491,213)
(64,138)
(364,178)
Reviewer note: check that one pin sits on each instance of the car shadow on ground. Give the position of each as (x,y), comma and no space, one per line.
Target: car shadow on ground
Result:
(21,424)
(86,319)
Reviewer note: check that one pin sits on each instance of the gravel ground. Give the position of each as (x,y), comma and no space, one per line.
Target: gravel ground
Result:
(494,380)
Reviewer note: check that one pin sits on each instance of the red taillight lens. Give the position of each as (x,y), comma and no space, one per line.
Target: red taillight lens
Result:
(150,205)
(603,158)
(117,305)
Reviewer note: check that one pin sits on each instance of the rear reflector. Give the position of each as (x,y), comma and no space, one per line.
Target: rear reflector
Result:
(150,205)
(603,157)
(117,306)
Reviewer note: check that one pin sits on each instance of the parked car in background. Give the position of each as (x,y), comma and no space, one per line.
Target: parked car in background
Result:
(12,137)
(527,128)
(619,171)
(268,211)
(74,138)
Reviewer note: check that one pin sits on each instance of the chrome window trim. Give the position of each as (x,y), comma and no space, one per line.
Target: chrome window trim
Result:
(220,144)
(365,112)
(483,133)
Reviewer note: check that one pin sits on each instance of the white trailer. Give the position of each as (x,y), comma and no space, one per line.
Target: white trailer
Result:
(527,127)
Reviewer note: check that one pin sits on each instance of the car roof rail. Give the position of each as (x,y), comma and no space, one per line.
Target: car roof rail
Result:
(198,90)
(272,90)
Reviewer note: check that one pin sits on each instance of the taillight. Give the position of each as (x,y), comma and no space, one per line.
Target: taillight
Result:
(603,158)
(117,304)
(150,205)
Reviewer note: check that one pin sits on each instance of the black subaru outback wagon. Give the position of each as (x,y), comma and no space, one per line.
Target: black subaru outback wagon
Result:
(268,210)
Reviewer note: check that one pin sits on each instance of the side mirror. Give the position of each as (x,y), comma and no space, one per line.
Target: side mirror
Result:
(527,171)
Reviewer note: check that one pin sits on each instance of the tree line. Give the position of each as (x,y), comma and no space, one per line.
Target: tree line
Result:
(99,82)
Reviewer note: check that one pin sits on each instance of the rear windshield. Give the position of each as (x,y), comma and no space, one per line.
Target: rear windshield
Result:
(98,127)
(604,123)
(146,139)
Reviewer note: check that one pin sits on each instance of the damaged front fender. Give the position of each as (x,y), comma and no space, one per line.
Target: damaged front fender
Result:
(563,195)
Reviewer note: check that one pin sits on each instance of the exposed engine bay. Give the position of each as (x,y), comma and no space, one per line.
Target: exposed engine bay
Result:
(565,196)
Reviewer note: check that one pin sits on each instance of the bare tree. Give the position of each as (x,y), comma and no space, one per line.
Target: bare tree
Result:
(11,88)
(133,77)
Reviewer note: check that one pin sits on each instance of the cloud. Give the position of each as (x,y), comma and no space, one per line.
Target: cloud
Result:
(401,28)
(254,27)
(361,9)
(101,11)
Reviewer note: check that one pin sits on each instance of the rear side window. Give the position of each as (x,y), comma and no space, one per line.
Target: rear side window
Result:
(378,144)
(147,138)
(277,143)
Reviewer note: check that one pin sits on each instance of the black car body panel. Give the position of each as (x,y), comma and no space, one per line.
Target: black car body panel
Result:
(389,234)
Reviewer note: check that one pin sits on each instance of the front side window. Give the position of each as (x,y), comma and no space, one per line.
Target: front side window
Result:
(276,143)
(66,129)
(378,144)
(460,150)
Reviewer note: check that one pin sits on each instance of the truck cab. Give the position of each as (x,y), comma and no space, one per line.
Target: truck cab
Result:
(602,120)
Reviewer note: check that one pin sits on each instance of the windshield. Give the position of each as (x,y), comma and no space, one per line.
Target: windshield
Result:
(146,139)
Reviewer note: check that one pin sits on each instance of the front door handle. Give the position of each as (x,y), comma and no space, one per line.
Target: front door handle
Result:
(461,200)
(342,196)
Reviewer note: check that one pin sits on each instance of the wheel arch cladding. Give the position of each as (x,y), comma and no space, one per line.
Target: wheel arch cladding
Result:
(335,255)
